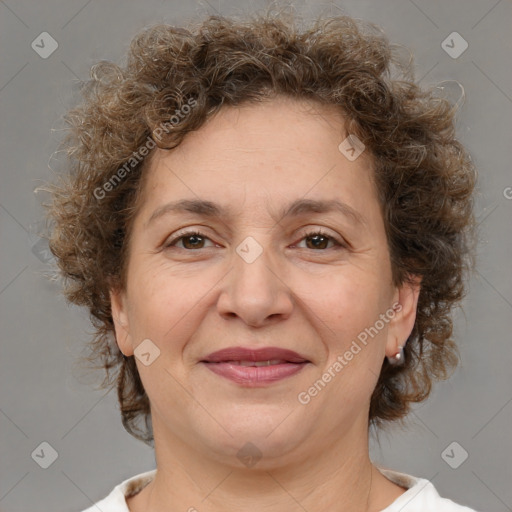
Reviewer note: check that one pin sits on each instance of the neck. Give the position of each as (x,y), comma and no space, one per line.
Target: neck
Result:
(341,477)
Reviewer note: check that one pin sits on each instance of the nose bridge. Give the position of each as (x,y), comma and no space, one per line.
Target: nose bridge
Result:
(253,261)
(254,292)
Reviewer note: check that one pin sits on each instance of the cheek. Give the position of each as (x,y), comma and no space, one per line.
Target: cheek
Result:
(347,311)
(354,345)
(347,299)
(161,304)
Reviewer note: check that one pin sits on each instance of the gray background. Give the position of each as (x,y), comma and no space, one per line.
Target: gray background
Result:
(45,397)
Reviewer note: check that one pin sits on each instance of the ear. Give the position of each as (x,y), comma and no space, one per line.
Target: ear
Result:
(402,324)
(120,317)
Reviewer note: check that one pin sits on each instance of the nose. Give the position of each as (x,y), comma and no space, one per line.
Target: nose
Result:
(256,292)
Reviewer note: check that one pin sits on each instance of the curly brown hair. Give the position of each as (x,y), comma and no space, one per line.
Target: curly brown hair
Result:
(424,176)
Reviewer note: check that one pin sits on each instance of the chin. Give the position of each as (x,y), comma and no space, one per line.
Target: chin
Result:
(268,438)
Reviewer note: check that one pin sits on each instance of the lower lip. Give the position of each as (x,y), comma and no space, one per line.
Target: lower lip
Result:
(254,376)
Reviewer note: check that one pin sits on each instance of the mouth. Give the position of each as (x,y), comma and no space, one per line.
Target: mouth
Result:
(257,367)
(267,355)
(270,362)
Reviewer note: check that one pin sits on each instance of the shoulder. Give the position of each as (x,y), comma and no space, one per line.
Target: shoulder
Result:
(116,500)
(421,495)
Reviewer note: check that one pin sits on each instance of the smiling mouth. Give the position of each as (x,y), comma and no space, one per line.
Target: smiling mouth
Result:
(255,367)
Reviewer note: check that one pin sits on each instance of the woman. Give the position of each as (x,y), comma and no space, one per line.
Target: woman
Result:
(270,227)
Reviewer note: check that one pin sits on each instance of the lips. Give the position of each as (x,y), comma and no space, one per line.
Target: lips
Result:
(255,368)
(274,355)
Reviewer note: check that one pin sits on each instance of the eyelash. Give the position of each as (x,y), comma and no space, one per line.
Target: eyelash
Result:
(309,234)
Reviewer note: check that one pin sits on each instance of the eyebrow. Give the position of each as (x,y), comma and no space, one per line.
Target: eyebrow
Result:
(294,209)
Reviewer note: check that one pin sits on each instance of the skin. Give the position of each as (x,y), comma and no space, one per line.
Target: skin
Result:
(198,296)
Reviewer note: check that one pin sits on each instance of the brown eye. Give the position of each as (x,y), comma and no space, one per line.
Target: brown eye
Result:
(193,241)
(319,241)
(190,241)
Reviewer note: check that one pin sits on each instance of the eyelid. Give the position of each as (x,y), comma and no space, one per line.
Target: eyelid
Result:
(337,239)
(305,233)
(184,233)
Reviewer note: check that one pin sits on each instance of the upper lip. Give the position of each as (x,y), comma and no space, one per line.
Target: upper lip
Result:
(260,354)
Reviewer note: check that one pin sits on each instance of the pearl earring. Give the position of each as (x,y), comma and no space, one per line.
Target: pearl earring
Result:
(398,358)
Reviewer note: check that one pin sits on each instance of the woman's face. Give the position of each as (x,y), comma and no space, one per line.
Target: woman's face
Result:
(260,275)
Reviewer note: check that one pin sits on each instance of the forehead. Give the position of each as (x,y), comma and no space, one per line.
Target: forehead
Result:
(277,149)
(293,129)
